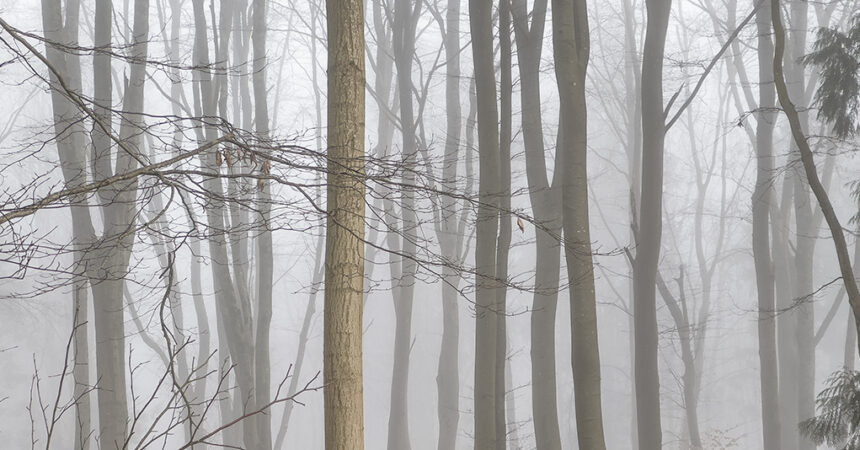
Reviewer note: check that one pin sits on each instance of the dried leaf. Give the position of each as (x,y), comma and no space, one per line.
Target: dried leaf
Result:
(218,158)
(521,225)
(266,169)
(260,184)
(229,157)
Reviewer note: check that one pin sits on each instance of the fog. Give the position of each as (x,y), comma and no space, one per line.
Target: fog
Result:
(622,224)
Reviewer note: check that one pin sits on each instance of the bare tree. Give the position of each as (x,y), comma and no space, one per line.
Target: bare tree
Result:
(650,228)
(344,262)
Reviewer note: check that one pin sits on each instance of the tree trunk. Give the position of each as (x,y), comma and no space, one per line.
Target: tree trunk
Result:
(344,262)
(481,25)
(544,198)
(264,239)
(234,312)
(450,242)
(571,51)
(404,52)
(808,161)
(650,228)
(803,316)
(503,243)
(761,200)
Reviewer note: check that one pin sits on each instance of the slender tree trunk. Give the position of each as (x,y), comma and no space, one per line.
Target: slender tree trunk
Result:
(264,239)
(633,103)
(404,52)
(344,262)
(650,228)
(503,243)
(481,25)
(761,200)
(82,238)
(450,242)
(234,312)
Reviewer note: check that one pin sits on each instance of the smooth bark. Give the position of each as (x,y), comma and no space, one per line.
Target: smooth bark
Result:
(650,228)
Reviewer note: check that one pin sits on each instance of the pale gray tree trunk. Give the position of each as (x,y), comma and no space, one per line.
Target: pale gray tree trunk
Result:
(450,242)
(633,103)
(234,312)
(805,240)
(761,201)
(405,15)
(265,258)
(69,140)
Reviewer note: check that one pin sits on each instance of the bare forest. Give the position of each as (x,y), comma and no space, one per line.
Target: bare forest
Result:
(429,224)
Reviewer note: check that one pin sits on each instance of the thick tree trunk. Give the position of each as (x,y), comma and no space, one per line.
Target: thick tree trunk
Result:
(344,262)
(544,199)
(650,228)
(571,51)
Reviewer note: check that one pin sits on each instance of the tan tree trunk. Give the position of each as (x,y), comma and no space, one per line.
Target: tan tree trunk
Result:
(344,262)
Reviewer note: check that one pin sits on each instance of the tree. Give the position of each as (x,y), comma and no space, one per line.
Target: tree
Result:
(264,240)
(481,25)
(761,206)
(344,261)
(450,233)
(406,13)
(838,421)
(808,161)
(650,228)
(544,199)
(571,51)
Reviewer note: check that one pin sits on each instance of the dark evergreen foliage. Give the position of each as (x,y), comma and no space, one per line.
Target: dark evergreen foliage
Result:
(838,421)
(836,55)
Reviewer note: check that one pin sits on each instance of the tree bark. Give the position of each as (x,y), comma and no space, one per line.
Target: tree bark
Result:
(571,52)
(650,228)
(264,239)
(450,242)
(544,197)
(503,243)
(481,25)
(344,262)
(761,200)
(404,51)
